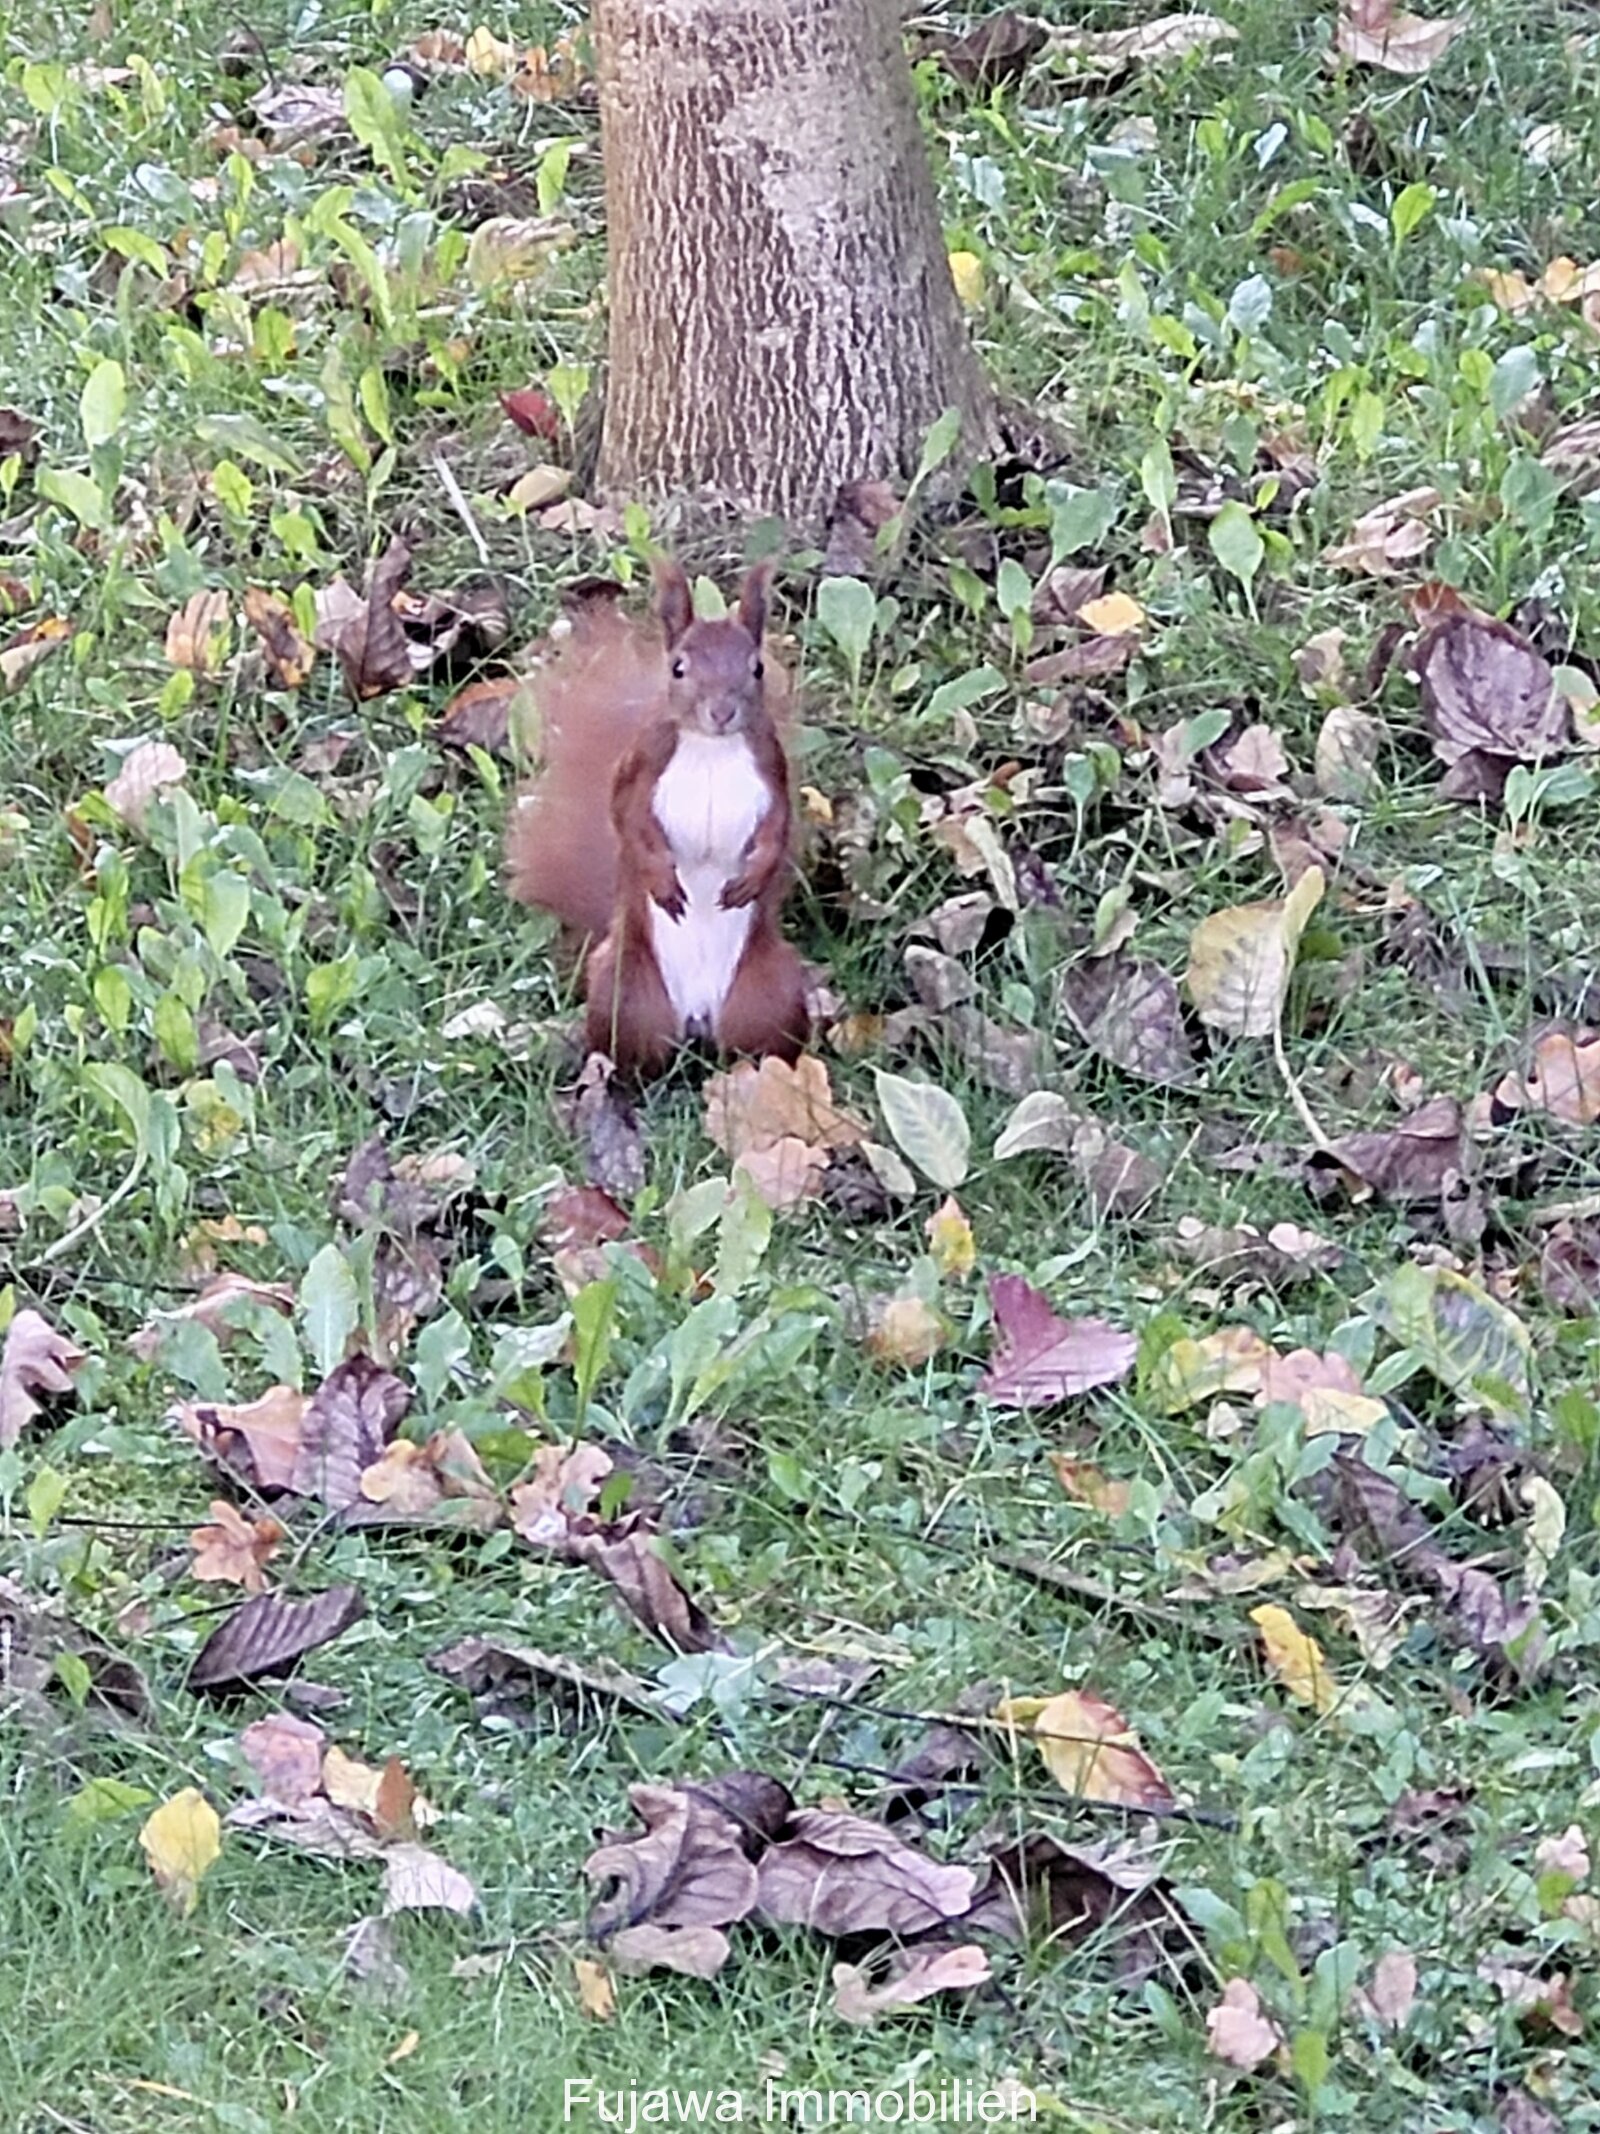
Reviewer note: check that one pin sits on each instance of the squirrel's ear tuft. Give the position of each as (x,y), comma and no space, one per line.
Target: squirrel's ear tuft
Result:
(753,597)
(674,600)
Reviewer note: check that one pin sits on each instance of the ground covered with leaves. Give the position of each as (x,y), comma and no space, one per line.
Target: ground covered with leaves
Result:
(1049,1554)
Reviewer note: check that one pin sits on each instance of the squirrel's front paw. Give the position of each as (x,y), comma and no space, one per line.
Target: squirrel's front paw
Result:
(669,895)
(738,892)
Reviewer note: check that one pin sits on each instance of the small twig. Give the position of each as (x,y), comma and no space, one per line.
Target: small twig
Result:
(1213,1818)
(92,1221)
(1581,1210)
(463,510)
(1303,1112)
(1042,1573)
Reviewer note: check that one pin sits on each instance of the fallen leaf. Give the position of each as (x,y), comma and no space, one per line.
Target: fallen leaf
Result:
(1392,1992)
(1038,1359)
(1542,2005)
(1295,1659)
(506,250)
(1374,34)
(751,1108)
(286,1754)
(441,1482)
(915,1975)
(288,655)
(1087,1485)
(691,1866)
(843,1874)
(182,1839)
(197,633)
(694,1952)
(1191,1370)
(1486,692)
(1164,38)
(234,1550)
(147,770)
(1345,761)
(1240,959)
(1112,615)
(20,654)
(1129,1011)
(1325,1388)
(562,1489)
(928,1126)
(533,411)
(1390,537)
(648,1587)
(950,1242)
(366,635)
(268,1431)
(596,1995)
(34,1360)
(995,52)
(268,1634)
(1468,1340)
(1089,1749)
(1412,1161)
(417,1880)
(351,1418)
(1562,1081)
(215,1309)
(905,1331)
(510,1675)
(1236,2029)
(1518,2112)
(966,271)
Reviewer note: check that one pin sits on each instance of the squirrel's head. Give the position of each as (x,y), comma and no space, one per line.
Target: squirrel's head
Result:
(714,668)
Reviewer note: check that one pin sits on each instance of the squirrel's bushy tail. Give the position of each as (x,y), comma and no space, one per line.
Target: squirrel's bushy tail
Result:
(606,680)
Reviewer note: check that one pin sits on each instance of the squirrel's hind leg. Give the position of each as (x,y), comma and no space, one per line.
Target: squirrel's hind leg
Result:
(629,1015)
(765,1008)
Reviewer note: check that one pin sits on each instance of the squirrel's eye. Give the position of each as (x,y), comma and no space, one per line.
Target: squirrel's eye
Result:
(680,668)
(758,666)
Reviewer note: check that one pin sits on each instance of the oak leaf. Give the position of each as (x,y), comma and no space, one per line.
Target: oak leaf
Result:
(234,1550)
(1236,2029)
(34,1360)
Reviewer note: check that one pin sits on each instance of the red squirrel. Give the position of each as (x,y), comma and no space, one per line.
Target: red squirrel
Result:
(680,880)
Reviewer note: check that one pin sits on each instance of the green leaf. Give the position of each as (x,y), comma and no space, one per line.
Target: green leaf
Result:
(113,996)
(964,690)
(103,403)
(103,1800)
(374,118)
(1236,542)
(928,1126)
(1158,478)
(174,1031)
(47,1492)
(1079,518)
(594,1312)
(938,445)
(329,1307)
(1411,209)
(119,1087)
(224,910)
(72,1672)
(75,493)
(244,437)
(848,610)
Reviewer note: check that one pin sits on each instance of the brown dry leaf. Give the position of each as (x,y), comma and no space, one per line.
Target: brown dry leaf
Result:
(1569,1268)
(214,1309)
(1374,34)
(1129,1011)
(1542,2005)
(1488,693)
(288,655)
(1240,959)
(1038,1889)
(20,654)
(691,1865)
(785,1174)
(905,1331)
(1191,1370)
(147,770)
(1236,2029)
(440,1483)
(648,1588)
(1378,1621)
(1089,1749)
(597,1996)
(562,1489)
(1409,1162)
(285,1753)
(995,52)
(1037,1359)
(1113,615)
(1295,1659)
(1392,1992)
(181,1840)
(1325,1388)
(268,1634)
(1345,763)
(842,1874)
(1164,38)
(197,633)
(417,1880)
(234,1550)
(383,1794)
(752,1108)
(366,635)
(352,1417)
(260,1440)
(1254,762)
(480,716)
(35,1360)
(694,1952)
(1085,1484)
(914,1975)
(1384,541)
(1563,1081)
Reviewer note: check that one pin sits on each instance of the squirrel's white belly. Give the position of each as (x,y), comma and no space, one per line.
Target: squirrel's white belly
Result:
(709,801)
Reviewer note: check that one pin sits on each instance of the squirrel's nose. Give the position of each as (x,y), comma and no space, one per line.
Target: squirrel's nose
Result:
(723,714)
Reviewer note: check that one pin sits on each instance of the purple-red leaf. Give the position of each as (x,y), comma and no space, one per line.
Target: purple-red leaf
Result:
(1038,1358)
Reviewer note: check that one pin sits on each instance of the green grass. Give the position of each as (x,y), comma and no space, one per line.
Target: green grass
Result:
(851,1510)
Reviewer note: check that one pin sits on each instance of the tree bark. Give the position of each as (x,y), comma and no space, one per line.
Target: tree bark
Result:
(782,318)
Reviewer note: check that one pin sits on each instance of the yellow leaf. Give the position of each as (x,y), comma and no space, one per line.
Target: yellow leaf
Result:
(1240,959)
(950,1241)
(1295,1659)
(905,1331)
(407,2046)
(488,54)
(1229,1361)
(595,1994)
(181,1838)
(966,271)
(1089,1749)
(1112,615)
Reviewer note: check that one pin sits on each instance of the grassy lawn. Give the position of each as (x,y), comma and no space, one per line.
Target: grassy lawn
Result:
(1264,260)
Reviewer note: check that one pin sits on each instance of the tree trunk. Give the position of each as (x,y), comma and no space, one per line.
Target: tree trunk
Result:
(782,315)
